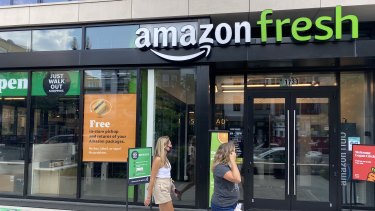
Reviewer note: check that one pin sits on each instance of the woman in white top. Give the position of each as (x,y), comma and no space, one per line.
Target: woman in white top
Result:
(160,181)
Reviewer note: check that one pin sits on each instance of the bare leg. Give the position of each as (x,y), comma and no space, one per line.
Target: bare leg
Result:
(168,206)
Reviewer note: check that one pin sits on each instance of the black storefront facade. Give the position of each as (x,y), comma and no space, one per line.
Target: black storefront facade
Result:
(289,106)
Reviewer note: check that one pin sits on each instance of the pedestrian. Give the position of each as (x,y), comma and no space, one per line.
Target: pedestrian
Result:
(226,179)
(161,184)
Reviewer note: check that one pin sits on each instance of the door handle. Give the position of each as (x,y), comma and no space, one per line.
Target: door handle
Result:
(288,157)
(294,151)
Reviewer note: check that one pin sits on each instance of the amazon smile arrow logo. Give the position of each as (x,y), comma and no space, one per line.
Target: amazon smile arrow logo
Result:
(203,49)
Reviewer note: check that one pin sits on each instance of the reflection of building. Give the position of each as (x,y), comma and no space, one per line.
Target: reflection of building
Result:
(279,92)
(10,46)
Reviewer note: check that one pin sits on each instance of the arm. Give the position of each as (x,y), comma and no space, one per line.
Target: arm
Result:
(234,174)
(154,171)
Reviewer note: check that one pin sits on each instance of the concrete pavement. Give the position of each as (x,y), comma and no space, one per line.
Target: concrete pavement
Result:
(13,204)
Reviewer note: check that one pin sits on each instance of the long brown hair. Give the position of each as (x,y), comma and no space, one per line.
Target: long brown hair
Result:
(160,149)
(222,154)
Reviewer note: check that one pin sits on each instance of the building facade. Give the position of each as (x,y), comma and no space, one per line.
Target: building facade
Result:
(292,82)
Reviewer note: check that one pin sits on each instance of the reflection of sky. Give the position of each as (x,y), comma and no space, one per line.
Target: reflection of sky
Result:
(17,2)
(20,2)
(20,38)
(93,73)
(4,2)
(111,37)
(49,1)
(58,39)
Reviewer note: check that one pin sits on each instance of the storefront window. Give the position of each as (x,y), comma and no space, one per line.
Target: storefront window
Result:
(18,2)
(291,80)
(56,39)
(108,131)
(4,2)
(15,41)
(51,1)
(13,92)
(171,112)
(229,111)
(357,115)
(111,37)
(54,133)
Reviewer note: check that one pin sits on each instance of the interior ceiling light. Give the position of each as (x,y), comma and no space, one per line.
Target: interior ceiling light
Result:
(232,86)
(301,85)
(14,98)
(256,85)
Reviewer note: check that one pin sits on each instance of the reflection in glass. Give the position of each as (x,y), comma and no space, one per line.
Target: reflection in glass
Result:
(174,111)
(111,37)
(15,41)
(12,145)
(54,130)
(51,1)
(4,2)
(357,114)
(106,180)
(19,2)
(229,109)
(56,39)
(269,148)
(312,149)
(291,80)
(111,81)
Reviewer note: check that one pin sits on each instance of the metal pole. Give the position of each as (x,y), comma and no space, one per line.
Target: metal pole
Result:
(127,184)
(127,197)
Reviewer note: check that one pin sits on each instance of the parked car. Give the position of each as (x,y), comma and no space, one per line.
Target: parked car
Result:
(69,138)
(274,160)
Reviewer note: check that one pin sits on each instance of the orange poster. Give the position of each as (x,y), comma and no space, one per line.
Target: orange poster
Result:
(109,127)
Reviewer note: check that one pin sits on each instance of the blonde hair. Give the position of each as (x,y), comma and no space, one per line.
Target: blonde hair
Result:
(222,154)
(160,149)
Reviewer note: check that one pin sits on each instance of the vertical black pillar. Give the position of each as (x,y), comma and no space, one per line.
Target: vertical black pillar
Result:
(202,114)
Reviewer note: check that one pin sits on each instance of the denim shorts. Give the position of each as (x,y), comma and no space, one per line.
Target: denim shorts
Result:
(215,207)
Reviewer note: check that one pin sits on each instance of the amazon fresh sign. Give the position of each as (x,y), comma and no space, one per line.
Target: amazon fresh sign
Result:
(13,84)
(187,36)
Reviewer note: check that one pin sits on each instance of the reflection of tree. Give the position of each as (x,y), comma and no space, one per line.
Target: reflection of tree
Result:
(74,44)
(88,44)
(175,98)
(167,114)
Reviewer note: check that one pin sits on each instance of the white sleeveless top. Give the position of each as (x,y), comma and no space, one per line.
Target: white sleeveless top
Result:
(165,171)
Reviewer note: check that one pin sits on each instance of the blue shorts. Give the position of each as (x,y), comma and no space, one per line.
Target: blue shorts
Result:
(218,208)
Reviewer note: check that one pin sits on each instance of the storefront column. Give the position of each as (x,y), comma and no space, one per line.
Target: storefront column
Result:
(202,127)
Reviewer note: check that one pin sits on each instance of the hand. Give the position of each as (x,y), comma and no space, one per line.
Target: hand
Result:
(232,157)
(147,201)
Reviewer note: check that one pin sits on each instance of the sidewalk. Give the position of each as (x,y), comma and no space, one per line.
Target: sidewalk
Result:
(123,208)
(12,204)
(10,208)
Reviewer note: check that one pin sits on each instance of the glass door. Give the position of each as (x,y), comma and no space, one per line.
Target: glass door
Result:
(268,127)
(290,140)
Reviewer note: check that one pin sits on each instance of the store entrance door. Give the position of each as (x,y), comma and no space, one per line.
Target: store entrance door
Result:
(291,164)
